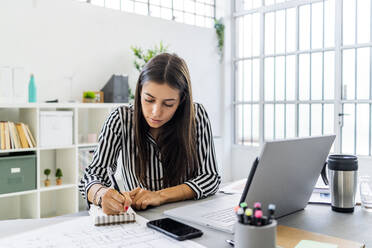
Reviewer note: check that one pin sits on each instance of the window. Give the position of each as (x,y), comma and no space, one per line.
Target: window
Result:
(302,68)
(195,12)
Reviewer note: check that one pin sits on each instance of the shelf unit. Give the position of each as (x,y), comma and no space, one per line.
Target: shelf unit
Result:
(55,199)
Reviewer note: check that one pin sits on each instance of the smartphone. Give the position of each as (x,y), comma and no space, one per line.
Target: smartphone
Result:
(174,229)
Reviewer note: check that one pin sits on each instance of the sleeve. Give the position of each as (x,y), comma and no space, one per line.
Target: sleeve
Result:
(106,154)
(207,180)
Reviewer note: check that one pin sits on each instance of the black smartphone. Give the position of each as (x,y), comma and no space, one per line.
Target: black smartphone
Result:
(174,229)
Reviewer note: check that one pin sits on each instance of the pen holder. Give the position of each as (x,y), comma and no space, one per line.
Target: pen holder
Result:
(249,236)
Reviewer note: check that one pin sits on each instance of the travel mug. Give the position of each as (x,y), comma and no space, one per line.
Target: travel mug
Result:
(250,236)
(343,174)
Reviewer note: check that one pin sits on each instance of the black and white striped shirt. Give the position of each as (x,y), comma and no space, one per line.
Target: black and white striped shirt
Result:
(117,135)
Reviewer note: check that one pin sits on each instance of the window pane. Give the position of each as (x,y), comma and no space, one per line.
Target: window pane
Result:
(239,124)
(291,77)
(304,29)
(256,79)
(178,5)
(317,25)
(200,21)
(141,8)
(199,8)
(178,17)
(279,121)
(290,121)
(329,23)
(247,122)
(304,77)
(269,32)
(363,71)
(240,37)
(291,30)
(247,80)
(364,15)
(240,77)
(279,78)
(247,36)
(189,18)
(328,127)
(166,13)
(348,21)
(269,121)
(255,123)
(316,76)
(189,6)
(112,4)
(269,79)
(303,120)
(256,3)
(209,10)
(348,74)
(280,31)
(166,3)
(348,129)
(256,34)
(98,2)
(329,75)
(269,2)
(362,129)
(316,119)
(127,5)
(155,11)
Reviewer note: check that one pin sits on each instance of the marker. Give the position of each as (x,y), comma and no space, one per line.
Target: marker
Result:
(230,242)
(271,210)
(248,216)
(236,208)
(244,205)
(240,214)
(258,216)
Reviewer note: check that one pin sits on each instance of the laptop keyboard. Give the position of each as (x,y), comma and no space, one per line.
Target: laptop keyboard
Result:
(224,215)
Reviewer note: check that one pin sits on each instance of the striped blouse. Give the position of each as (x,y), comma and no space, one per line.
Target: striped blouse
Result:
(117,135)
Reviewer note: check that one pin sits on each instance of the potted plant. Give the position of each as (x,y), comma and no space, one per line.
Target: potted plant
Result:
(220,32)
(59,174)
(47,181)
(89,96)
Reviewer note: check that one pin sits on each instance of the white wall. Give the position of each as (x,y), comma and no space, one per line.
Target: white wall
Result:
(57,39)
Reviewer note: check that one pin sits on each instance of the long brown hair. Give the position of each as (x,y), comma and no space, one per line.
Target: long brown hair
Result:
(176,141)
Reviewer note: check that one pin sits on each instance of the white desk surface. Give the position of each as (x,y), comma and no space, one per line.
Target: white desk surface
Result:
(315,218)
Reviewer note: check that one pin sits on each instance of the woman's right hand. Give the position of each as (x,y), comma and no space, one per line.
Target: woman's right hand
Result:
(114,203)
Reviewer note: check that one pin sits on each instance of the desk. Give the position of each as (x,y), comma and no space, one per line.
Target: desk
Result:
(315,218)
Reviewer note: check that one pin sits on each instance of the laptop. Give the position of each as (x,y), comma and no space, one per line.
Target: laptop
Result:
(284,174)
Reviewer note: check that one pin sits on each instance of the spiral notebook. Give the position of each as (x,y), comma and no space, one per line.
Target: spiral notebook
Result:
(100,218)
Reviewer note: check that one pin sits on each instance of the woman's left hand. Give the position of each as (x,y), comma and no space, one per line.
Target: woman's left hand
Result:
(142,198)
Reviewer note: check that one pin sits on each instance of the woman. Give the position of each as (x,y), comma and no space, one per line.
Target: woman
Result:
(165,140)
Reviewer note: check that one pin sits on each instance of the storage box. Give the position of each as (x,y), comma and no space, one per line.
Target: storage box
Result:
(17,173)
(56,128)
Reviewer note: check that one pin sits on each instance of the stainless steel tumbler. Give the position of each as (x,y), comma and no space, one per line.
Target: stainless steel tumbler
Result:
(343,176)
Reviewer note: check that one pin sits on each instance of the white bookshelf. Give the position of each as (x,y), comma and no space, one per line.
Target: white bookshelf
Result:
(55,199)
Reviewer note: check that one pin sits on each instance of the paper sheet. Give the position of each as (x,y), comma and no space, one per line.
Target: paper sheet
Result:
(236,187)
(81,233)
(314,244)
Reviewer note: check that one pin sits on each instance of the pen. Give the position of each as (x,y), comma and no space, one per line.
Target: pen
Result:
(240,213)
(114,183)
(271,210)
(247,216)
(230,242)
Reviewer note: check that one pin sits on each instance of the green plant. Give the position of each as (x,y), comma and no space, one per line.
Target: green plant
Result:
(143,56)
(131,96)
(89,94)
(220,31)
(59,173)
(47,172)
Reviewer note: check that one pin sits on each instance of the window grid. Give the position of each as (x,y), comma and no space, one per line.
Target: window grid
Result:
(167,9)
(352,112)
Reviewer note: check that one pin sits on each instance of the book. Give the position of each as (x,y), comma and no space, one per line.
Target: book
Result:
(27,135)
(16,136)
(7,136)
(30,135)
(2,134)
(100,218)
(11,136)
(22,136)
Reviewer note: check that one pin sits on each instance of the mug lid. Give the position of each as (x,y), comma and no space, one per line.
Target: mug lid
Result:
(342,162)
